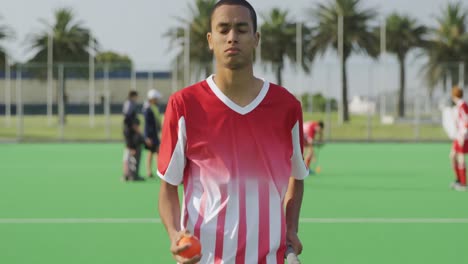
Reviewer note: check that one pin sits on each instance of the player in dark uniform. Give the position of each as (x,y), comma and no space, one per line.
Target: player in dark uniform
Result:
(152,128)
(133,138)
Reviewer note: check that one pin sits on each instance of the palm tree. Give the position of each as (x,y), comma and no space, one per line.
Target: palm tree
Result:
(448,46)
(278,41)
(70,45)
(403,34)
(112,57)
(5,33)
(199,23)
(115,61)
(70,39)
(357,35)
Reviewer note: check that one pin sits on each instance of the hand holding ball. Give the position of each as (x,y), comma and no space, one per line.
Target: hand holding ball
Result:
(193,250)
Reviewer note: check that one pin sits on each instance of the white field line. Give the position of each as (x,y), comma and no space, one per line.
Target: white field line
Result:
(302,220)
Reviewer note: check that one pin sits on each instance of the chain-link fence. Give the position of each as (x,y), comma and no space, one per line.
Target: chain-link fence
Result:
(73,101)
(378,109)
(70,102)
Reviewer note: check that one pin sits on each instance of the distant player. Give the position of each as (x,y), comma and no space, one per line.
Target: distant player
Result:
(135,142)
(313,134)
(238,165)
(152,127)
(460,144)
(133,138)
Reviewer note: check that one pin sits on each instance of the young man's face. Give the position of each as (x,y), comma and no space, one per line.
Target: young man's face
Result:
(134,98)
(232,39)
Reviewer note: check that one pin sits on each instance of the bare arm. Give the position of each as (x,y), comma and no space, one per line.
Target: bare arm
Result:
(293,203)
(309,150)
(169,209)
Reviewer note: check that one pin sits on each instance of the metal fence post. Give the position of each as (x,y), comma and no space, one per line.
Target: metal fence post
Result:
(61,102)
(107,101)
(7,92)
(19,104)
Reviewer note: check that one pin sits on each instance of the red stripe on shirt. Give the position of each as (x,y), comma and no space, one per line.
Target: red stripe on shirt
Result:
(242,233)
(263,222)
(282,248)
(220,227)
(201,214)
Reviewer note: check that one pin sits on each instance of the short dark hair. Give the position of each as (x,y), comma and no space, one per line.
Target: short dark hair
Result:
(321,124)
(132,93)
(243,3)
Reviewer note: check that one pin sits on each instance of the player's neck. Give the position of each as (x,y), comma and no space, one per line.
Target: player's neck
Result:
(240,86)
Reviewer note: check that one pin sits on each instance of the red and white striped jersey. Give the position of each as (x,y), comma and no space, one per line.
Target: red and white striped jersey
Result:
(462,119)
(310,129)
(235,163)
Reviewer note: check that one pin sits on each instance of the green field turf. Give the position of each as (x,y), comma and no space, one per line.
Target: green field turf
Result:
(77,128)
(372,203)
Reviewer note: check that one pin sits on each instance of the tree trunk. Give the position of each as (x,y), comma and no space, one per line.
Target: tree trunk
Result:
(401,94)
(62,97)
(344,92)
(65,98)
(454,72)
(279,76)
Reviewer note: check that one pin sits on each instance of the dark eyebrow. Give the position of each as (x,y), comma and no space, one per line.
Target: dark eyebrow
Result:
(237,25)
(242,24)
(222,24)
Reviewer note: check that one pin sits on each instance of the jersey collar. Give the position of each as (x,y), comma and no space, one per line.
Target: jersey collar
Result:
(233,106)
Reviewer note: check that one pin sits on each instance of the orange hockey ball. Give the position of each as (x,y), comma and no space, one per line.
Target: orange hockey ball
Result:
(193,250)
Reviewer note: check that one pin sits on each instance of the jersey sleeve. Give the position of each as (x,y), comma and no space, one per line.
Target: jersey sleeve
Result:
(172,159)
(462,121)
(465,115)
(298,168)
(310,133)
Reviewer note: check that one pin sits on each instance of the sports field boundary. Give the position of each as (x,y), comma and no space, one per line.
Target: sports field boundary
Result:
(4,221)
